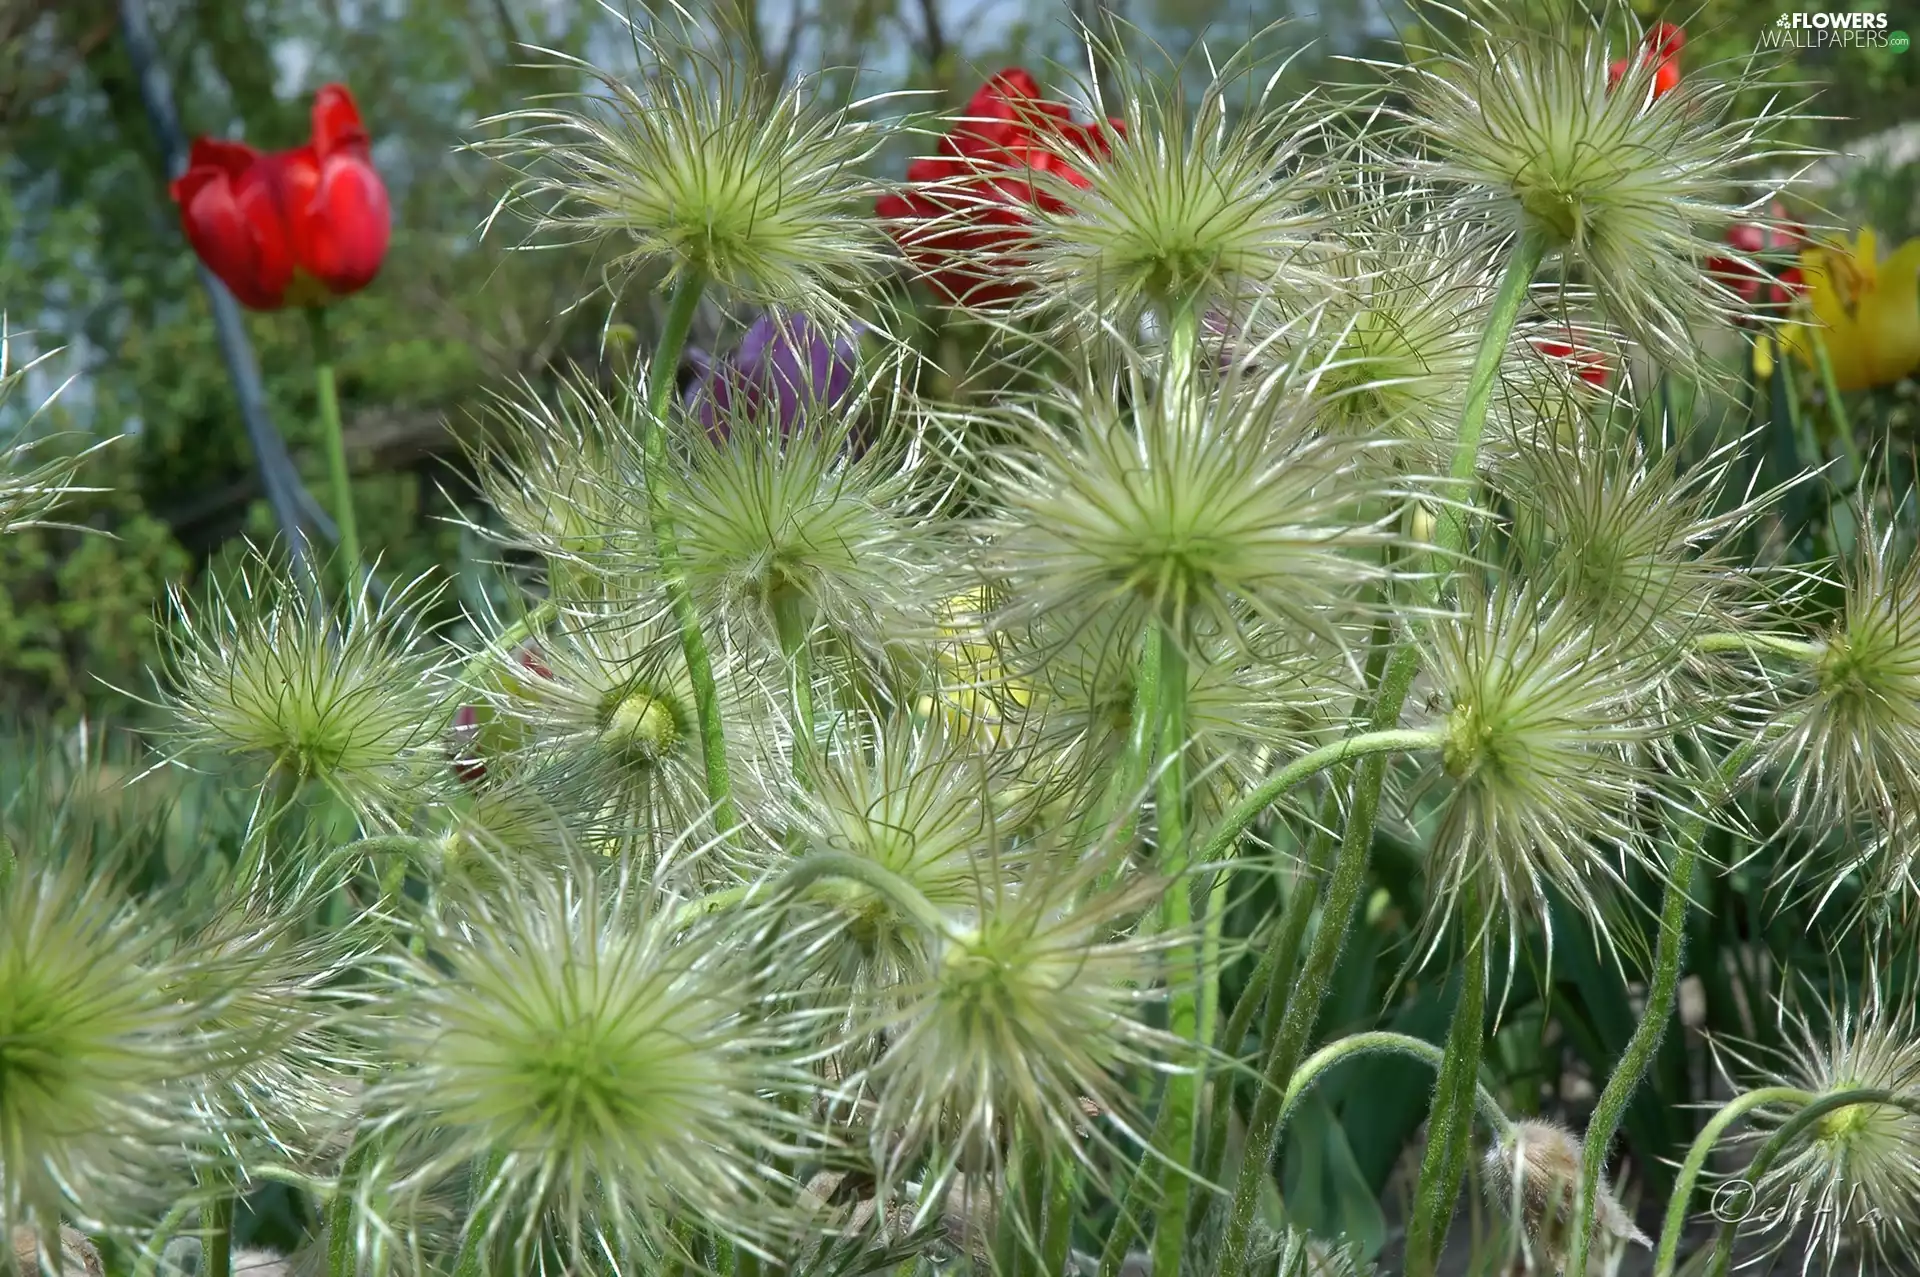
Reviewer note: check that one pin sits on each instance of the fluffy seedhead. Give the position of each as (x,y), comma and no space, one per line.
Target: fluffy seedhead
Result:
(921,801)
(609,1068)
(1851,738)
(101,1058)
(1027,1019)
(1190,207)
(787,526)
(30,492)
(693,164)
(1853,1180)
(1533,1176)
(1546,721)
(1638,544)
(1207,512)
(347,699)
(564,474)
(611,725)
(1625,184)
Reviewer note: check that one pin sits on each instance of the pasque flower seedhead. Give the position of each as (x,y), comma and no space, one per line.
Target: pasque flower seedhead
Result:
(347,699)
(712,172)
(1210,510)
(1534,1173)
(1625,183)
(614,1067)
(1852,1180)
(1546,722)
(1189,207)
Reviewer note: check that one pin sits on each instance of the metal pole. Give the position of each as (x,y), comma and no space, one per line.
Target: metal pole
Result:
(285,493)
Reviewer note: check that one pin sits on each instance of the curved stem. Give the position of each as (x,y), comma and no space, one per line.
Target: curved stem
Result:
(1793,649)
(1303,1006)
(1377,1043)
(790,620)
(1782,1139)
(1651,1031)
(1220,843)
(693,643)
(156,1245)
(336,446)
(1528,251)
(1696,1159)
(1450,1123)
(897,890)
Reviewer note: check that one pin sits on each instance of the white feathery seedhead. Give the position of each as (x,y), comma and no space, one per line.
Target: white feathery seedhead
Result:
(615,1066)
(1629,186)
(348,700)
(1031,1012)
(1189,207)
(1546,722)
(1852,1181)
(30,492)
(714,172)
(1210,511)
(1534,1176)
(103,1061)
(805,519)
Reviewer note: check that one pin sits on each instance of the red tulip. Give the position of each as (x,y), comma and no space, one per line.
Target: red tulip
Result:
(964,218)
(289,227)
(1585,363)
(1663,44)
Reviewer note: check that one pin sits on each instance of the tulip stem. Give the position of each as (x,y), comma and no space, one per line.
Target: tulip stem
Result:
(336,444)
(661,373)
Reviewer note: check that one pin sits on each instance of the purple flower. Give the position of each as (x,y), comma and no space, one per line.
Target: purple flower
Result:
(788,357)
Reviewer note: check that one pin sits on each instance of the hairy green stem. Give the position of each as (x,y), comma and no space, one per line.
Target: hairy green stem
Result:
(1652,1029)
(1382,1042)
(897,890)
(342,1260)
(1793,649)
(336,446)
(1113,1252)
(1063,1176)
(1183,1021)
(1528,251)
(1784,1138)
(219,1240)
(7,863)
(693,644)
(1226,835)
(1450,1123)
(1310,988)
(791,620)
(469,1262)
(1696,1160)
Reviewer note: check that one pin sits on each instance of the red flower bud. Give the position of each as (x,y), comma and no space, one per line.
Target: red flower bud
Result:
(295,226)
(965,214)
(1587,364)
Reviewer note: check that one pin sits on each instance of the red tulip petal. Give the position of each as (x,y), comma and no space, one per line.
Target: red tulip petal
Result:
(1665,40)
(1616,71)
(342,229)
(233,158)
(336,121)
(1666,78)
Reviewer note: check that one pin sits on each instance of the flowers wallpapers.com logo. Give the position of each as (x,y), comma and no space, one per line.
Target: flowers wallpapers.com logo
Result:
(1856,29)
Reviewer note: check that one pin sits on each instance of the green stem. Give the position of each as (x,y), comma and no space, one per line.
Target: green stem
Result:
(473,1238)
(219,1240)
(156,1245)
(791,621)
(7,863)
(1793,649)
(1384,1043)
(1220,844)
(1783,1139)
(1652,1029)
(1836,405)
(1164,650)
(1310,989)
(1113,1252)
(341,1257)
(1057,1238)
(1450,1124)
(336,445)
(1131,777)
(693,644)
(897,890)
(1528,251)
(1696,1160)
(1263,989)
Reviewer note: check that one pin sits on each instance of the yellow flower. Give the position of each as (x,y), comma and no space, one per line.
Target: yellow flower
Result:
(1869,309)
(975,687)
